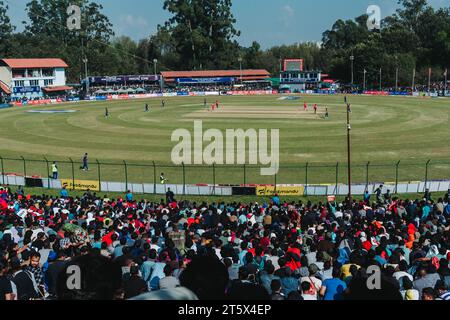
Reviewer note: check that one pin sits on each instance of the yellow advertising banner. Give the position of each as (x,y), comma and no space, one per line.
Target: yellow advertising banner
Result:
(281,191)
(81,184)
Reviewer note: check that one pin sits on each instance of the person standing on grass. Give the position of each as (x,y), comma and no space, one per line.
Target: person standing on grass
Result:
(106,113)
(170,196)
(129,196)
(305,107)
(163,104)
(54,170)
(205,104)
(146,107)
(85,166)
(327,115)
(162,179)
(63,193)
(315,108)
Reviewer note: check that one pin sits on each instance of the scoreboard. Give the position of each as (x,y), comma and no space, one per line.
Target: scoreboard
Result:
(293,65)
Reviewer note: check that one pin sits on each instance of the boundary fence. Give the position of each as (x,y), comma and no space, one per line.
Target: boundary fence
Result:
(131,173)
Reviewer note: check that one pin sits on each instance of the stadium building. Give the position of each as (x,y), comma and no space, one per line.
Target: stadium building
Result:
(122,84)
(30,79)
(295,79)
(217,79)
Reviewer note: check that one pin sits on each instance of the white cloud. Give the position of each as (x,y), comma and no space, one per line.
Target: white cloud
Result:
(287,15)
(289,11)
(131,25)
(131,21)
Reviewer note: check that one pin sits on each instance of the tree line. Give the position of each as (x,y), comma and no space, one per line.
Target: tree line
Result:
(201,34)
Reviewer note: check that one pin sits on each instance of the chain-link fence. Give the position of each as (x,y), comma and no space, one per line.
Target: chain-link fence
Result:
(306,173)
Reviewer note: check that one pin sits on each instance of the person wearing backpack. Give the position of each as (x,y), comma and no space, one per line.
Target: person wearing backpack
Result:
(27,288)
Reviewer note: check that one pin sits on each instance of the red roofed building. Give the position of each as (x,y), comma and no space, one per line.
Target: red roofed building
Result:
(33,78)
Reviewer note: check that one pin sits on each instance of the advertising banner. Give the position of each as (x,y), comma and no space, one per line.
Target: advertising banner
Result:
(81,184)
(282,191)
(32,89)
(205,80)
(122,79)
(399,93)
(377,93)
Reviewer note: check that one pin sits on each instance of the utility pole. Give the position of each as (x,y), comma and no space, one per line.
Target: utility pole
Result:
(414,79)
(352,59)
(364,80)
(429,81)
(281,68)
(240,66)
(445,82)
(155,62)
(85,60)
(396,73)
(349,128)
(396,79)
(380,81)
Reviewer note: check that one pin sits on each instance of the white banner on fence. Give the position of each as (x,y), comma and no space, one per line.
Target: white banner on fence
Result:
(179,189)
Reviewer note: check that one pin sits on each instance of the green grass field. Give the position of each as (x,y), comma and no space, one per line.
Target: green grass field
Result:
(384,131)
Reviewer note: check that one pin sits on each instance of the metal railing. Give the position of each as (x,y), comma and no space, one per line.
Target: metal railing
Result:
(306,174)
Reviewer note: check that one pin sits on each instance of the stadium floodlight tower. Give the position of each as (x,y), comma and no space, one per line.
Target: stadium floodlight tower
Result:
(240,66)
(85,60)
(349,167)
(155,63)
(352,59)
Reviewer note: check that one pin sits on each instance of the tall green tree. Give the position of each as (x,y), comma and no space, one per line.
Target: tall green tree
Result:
(6,30)
(48,24)
(203,32)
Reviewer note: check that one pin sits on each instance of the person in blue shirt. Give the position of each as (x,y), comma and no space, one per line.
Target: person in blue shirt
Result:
(244,247)
(333,289)
(276,199)
(118,249)
(366,196)
(129,196)
(425,212)
(63,193)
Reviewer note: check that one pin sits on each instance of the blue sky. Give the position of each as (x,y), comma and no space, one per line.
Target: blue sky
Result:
(270,22)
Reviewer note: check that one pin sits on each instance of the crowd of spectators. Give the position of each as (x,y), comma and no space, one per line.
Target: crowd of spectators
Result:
(379,247)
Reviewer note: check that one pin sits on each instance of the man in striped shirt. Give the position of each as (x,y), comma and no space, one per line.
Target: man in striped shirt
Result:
(442,291)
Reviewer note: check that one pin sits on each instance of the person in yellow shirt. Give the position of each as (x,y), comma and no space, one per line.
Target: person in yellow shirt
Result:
(345,269)
(54,170)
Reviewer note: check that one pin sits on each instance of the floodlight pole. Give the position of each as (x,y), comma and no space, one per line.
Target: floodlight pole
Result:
(155,61)
(381,87)
(240,67)
(429,81)
(85,60)
(396,73)
(364,81)
(352,59)
(445,83)
(396,79)
(349,128)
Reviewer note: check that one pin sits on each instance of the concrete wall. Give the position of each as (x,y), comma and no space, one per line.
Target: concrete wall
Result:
(6,76)
(60,77)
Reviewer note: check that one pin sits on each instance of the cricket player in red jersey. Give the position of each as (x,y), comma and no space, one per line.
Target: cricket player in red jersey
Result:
(305,107)
(315,108)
